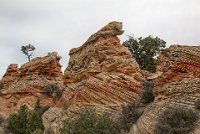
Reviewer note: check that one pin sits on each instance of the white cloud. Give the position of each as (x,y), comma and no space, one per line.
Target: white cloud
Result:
(59,25)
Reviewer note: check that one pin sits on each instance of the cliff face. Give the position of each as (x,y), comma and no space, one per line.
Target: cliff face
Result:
(10,76)
(101,74)
(102,71)
(178,85)
(25,85)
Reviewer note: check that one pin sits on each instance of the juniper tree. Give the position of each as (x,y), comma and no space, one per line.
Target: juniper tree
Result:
(27,50)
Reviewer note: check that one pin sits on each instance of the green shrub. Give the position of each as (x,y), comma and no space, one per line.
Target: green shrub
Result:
(57,94)
(130,114)
(90,123)
(38,131)
(49,90)
(1,120)
(147,95)
(53,91)
(66,105)
(49,131)
(165,52)
(1,85)
(176,120)
(25,122)
(197,104)
(35,121)
(18,122)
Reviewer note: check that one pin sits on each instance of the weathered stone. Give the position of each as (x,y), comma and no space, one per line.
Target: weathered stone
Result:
(25,85)
(102,71)
(101,74)
(178,85)
(52,119)
(10,76)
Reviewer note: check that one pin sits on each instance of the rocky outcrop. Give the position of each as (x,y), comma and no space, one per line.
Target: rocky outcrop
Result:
(10,76)
(101,75)
(25,85)
(178,85)
(102,71)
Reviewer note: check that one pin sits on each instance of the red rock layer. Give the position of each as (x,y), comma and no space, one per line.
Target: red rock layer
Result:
(25,85)
(179,85)
(102,71)
(10,76)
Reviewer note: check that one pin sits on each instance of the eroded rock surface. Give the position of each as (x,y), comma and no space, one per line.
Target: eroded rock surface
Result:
(102,71)
(25,85)
(10,76)
(101,74)
(178,85)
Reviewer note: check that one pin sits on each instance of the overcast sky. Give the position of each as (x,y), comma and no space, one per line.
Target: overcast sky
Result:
(59,25)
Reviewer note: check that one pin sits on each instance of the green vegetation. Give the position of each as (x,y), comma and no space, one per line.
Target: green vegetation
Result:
(90,123)
(1,120)
(38,131)
(130,114)
(176,120)
(1,85)
(50,131)
(197,104)
(144,50)
(53,91)
(165,52)
(147,95)
(27,50)
(25,122)
(66,105)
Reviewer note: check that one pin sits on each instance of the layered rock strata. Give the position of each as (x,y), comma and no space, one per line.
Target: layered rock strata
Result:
(178,85)
(101,75)
(102,71)
(25,85)
(10,76)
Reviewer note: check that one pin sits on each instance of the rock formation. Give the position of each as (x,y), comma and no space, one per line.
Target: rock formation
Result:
(25,85)
(10,76)
(102,71)
(101,74)
(178,85)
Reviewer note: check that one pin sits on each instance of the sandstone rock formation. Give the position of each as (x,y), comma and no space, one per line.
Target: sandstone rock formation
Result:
(178,85)
(102,71)
(10,76)
(25,85)
(101,74)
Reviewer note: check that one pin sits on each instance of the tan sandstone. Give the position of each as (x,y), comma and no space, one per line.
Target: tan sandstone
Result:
(25,85)
(101,74)
(178,85)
